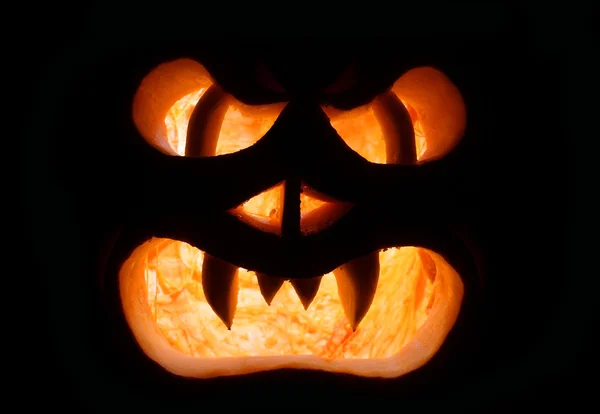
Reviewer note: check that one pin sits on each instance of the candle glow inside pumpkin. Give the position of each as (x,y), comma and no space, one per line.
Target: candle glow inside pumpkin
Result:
(418,293)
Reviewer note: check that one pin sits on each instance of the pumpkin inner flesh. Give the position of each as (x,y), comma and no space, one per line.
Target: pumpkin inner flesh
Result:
(172,272)
(418,294)
(359,129)
(238,131)
(409,281)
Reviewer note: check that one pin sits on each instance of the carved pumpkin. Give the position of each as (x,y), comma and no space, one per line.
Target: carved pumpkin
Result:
(100,192)
(202,308)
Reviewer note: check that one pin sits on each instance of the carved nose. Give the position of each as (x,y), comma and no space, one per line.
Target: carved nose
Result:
(300,124)
(299,132)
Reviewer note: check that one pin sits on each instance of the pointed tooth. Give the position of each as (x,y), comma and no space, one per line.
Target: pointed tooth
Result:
(306,289)
(357,283)
(220,285)
(269,286)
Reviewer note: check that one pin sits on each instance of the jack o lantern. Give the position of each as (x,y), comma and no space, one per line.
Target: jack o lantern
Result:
(103,198)
(287,287)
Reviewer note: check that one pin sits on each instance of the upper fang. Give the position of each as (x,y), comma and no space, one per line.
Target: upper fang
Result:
(221,286)
(357,284)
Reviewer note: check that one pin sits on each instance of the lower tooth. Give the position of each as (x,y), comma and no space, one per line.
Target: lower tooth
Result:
(269,286)
(221,286)
(306,289)
(357,283)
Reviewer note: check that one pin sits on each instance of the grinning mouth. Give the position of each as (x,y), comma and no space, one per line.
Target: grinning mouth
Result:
(384,314)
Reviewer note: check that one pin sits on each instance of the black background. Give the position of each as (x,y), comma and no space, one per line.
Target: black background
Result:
(517,63)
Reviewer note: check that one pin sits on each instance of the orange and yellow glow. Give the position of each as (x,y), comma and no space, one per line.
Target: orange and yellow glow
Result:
(418,296)
(436,108)
(178,118)
(404,297)
(166,96)
(309,204)
(268,203)
(238,131)
(361,131)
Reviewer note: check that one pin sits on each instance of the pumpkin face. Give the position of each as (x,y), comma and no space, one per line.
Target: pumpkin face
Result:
(276,286)
(164,212)
(101,195)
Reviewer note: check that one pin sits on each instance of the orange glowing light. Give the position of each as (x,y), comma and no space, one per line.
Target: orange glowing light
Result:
(166,97)
(362,132)
(358,128)
(417,297)
(238,131)
(416,302)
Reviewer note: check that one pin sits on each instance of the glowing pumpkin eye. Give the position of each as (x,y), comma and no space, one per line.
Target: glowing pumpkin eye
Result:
(165,102)
(361,131)
(423,97)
